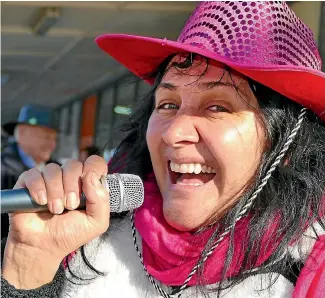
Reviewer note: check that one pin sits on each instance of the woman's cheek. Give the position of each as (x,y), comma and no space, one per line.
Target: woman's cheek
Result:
(237,151)
(152,133)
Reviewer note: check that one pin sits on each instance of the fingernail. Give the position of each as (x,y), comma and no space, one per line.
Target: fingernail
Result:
(57,206)
(95,179)
(72,202)
(42,197)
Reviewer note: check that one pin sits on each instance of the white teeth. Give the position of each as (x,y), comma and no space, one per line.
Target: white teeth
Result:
(197,168)
(191,168)
(183,168)
(192,184)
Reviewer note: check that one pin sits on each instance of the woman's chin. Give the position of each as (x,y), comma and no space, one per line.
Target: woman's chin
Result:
(179,220)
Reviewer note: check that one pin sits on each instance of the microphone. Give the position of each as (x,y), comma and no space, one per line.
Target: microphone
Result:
(125,190)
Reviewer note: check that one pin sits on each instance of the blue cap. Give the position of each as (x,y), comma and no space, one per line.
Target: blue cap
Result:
(33,115)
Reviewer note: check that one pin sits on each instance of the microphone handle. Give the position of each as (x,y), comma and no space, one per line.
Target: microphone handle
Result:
(20,200)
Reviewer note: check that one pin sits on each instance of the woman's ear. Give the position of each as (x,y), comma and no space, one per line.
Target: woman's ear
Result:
(286,162)
(287,159)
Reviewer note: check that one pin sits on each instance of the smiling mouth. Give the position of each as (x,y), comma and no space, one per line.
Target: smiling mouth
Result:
(190,174)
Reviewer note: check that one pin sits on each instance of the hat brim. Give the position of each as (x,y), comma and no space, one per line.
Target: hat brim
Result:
(9,127)
(142,55)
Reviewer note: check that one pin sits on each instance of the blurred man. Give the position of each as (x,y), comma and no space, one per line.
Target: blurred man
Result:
(33,142)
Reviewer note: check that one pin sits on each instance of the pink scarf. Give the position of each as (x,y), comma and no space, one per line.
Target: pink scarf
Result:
(169,254)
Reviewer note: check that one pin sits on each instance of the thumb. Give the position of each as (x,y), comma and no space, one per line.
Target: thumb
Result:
(97,200)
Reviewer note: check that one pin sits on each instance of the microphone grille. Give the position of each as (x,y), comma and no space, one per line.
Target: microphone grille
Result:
(126,191)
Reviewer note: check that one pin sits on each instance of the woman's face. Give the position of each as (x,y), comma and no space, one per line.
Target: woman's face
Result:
(205,141)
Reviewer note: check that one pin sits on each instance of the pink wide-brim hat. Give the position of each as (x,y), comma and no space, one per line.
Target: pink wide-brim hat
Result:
(265,41)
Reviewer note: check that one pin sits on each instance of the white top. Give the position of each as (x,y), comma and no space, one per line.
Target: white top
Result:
(114,254)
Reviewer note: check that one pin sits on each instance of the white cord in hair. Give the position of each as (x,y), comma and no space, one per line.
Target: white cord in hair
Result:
(240,215)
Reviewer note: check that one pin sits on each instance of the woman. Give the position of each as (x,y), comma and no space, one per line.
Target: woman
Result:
(230,144)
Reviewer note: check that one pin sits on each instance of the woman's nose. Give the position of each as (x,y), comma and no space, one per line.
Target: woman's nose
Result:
(180,131)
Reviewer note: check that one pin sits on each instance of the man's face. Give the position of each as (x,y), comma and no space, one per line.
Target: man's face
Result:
(39,142)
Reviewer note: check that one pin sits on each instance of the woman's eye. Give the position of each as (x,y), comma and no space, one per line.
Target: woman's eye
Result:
(167,106)
(216,108)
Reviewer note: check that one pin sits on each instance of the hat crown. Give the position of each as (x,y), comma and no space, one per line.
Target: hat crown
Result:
(257,33)
(37,115)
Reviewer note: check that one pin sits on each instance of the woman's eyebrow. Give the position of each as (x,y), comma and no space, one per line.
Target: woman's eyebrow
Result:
(201,85)
(167,86)
(210,85)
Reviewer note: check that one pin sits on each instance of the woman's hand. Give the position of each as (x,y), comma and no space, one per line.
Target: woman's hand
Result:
(50,236)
